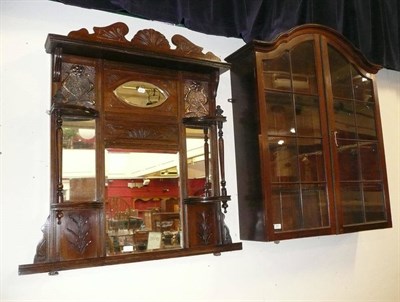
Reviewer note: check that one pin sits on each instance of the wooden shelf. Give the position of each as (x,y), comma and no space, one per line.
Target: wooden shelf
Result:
(55,267)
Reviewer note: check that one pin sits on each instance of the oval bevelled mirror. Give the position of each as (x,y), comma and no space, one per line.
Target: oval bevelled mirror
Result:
(141,94)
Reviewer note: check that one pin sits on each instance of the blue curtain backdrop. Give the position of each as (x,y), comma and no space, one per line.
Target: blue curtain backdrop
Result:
(370,25)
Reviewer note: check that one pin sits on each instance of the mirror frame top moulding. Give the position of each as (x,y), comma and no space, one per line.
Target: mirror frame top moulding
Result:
(148,46)
(148,51)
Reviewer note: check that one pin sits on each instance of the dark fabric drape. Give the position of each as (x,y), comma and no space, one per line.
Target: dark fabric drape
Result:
(370,25)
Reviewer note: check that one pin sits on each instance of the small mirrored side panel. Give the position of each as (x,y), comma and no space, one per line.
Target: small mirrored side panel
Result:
(141,94)
(199,168)
(79,161)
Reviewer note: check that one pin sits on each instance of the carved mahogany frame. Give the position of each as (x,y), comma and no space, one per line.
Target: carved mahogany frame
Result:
(80,224)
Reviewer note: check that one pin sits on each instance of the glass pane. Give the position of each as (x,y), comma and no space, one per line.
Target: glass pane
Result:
(341,75)
(287,207)
(79,161)
(303,68)
(370,164)
(307,116)
(311,160)
(365,114)
(283,159)
(348,160)
(142,201)
(141,94)
(374,202)
(292,213)
(315,206)
(198,167)
(277,73)
(362,87)
(345,122)
(280,114)
(352,204)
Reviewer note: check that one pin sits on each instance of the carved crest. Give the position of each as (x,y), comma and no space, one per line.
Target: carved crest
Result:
(146,38)
(151,38)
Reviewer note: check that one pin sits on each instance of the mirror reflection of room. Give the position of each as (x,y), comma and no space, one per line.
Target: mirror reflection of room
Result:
(79,161)
(140,94)
(198,167)
(142,201)
(142,189)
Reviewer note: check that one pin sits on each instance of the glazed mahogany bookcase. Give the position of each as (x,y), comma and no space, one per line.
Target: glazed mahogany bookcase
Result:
(309,146)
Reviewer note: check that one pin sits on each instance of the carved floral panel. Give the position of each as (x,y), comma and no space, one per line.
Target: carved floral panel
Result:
(77,84)
(196,98)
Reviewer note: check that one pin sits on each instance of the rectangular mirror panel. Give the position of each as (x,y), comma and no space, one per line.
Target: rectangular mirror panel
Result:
(79,161)
(142,201)
(198,167)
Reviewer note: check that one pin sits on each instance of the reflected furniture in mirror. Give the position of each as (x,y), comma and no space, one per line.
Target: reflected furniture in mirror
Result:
(308,138)
(137,162)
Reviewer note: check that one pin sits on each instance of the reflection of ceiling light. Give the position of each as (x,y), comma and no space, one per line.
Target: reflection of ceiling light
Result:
(86,133)
(281,142)
(141,89)
(292,130)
